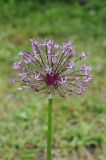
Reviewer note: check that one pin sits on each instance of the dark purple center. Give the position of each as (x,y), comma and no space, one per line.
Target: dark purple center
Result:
(51,79)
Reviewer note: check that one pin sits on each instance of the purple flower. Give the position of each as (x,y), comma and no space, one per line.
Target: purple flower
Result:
(83,55)
(63,80)
(16,65)
(67,46)
(81,89)
(22,75)
(85,69)
(70,65)
(13,81)
(37,76)
(87,79)
(53,69)
(26,57)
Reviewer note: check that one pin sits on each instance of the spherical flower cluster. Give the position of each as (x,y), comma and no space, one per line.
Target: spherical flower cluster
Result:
(52,69)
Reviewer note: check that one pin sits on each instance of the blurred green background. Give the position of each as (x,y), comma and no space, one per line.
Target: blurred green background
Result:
(79,122)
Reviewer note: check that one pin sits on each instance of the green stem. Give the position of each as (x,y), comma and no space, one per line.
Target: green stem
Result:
(49,140)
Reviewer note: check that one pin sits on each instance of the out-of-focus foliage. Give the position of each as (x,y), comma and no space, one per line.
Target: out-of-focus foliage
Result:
(78,19)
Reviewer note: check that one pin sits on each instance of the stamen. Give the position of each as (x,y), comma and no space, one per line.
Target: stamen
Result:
(51,79)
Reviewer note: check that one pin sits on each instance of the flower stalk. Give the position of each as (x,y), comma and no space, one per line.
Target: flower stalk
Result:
(49,138)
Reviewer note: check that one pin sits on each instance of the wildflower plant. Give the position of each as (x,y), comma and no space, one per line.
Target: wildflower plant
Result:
(52,69)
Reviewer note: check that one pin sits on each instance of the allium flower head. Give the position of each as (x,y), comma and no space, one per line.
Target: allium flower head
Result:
(53,69)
